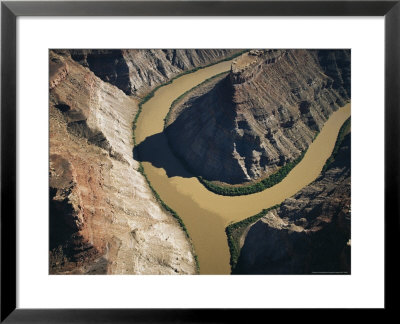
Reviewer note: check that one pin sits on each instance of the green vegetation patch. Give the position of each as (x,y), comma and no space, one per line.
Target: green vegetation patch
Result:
(266,183)
(234,232)
(344,130)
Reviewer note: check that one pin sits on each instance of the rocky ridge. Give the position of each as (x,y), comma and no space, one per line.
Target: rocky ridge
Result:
(103,216)
(310,229)
(264,114)
(136,72)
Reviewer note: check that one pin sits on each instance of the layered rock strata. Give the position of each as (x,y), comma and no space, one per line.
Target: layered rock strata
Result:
(309,232)
(136,72)
(264,114)
(103,216)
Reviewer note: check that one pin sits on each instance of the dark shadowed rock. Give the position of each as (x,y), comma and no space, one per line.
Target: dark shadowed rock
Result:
(309,233)
(136,72)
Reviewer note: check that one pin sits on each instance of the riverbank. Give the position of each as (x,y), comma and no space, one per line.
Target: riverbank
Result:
(183,95)
(235,231)
(344,130)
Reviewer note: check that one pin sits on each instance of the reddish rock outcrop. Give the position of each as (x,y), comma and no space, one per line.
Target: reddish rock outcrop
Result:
(58,72)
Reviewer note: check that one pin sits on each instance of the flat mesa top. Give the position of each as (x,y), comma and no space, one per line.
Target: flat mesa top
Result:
(244,61)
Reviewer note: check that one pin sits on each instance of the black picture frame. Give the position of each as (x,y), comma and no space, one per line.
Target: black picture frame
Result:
(10,10)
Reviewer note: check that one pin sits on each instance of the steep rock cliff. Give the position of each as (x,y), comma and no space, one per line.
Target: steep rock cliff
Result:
(309,232)
(264,114)
(136,72)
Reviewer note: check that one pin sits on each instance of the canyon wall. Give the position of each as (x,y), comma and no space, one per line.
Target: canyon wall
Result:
(103,216)
(136,72)
(309,232)
(262,115)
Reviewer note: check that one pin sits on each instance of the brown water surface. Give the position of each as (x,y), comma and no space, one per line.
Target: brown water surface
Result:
(204,213)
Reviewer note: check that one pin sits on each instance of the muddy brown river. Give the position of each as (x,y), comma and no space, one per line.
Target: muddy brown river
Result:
(204,213)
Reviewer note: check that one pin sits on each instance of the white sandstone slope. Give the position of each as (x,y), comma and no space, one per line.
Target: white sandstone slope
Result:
(103,216)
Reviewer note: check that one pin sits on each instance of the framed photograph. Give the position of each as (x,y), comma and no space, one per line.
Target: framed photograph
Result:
(162,159)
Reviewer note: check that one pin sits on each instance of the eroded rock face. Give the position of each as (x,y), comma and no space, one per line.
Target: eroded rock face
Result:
(309,233)
(103,216)
(136,72)
(69,249)
(264,114)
